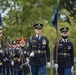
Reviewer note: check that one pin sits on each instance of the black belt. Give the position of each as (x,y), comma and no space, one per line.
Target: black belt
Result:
(65,54)
(39,51)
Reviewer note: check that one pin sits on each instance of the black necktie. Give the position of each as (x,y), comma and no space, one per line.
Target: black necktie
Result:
(65,40)
(38,37)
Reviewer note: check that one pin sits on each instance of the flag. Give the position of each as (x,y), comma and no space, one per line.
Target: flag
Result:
(0,26)
(55,17)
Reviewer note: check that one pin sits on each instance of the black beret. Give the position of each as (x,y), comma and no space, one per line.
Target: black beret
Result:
(64,29)
(13,42)
(38,26)
(17,42)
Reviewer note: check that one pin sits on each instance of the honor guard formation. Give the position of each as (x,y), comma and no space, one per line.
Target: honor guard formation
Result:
(17,58)
(14,59)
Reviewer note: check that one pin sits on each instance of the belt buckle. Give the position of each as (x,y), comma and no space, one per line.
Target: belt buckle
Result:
(39,51)
(64,54)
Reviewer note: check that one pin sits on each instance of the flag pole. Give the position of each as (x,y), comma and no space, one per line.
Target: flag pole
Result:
(57,42)
(55,25)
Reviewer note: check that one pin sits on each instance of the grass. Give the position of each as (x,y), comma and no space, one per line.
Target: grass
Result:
(49,72)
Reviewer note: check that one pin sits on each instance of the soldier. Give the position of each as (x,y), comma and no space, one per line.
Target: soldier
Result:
(64,63)
(17,60)
(17,44)
(9,59)
(4,59)
(24,57)
(1,58)
(38,47)
(13,48)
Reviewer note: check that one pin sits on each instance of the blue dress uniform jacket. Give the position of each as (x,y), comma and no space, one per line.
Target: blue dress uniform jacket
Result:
(7,57)
(16,57)
(65,54)
(41,49)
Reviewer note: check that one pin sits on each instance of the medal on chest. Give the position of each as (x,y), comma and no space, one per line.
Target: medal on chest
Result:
(44,42)
(69,47)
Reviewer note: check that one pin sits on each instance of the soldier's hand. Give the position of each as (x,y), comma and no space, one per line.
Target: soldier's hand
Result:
(1,51)
(12,63)
(72,68)
(56,66)
(27,60)
(32,54)
(18,59)
(48,64)
(4,60)
(14,59)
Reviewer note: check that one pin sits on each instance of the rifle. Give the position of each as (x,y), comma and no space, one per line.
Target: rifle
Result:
(25,65)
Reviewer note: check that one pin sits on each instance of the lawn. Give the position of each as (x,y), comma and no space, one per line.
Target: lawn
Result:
(50,72)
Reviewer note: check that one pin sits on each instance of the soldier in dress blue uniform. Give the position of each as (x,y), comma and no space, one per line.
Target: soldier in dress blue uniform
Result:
(1,58)
(4,60)
(20,55)
(25,64)
(17,61)
(64,63)
(15,47)
(9,59)
(38,47)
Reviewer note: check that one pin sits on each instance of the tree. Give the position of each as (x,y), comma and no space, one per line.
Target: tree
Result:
(23,14)
(70,5)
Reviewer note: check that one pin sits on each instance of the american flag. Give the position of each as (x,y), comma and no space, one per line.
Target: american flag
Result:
(0,26)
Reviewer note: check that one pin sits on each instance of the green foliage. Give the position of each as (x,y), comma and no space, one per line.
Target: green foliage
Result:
(23,14)
(70,5)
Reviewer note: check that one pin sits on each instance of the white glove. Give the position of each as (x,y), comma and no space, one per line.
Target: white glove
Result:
(12,63)
(72,68)
(48,64)
(0,51)
(32,54)
(56,66)
(27,60)
(4,60)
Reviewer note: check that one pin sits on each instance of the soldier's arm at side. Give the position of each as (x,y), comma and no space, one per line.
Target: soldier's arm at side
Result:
(54,54)
(48,51)
(72,55)
(29,47)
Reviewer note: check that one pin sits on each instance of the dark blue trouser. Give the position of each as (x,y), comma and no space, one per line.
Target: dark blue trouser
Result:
(18,72)
(3,70)
(64,71)
(0,69)
(38,69)
(9,70)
